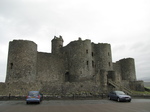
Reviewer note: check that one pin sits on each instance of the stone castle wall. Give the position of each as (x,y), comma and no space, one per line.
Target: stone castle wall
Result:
(136,85)
(50,68)
(79,66)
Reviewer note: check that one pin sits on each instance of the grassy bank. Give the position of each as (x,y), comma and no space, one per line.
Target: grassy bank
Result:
(140,93)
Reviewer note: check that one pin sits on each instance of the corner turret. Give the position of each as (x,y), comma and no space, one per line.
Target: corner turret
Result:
(57,43)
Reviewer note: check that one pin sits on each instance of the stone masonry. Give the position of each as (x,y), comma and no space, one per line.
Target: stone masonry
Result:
(79,67)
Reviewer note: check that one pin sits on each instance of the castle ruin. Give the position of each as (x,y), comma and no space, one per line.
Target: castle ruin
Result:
(80,66)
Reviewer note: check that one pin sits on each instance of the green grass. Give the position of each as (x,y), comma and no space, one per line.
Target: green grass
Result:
(147,87)
(140,93)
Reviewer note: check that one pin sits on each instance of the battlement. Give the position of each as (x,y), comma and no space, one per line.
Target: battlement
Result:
(58,38)
(21,40)
(103,44)
(126,59)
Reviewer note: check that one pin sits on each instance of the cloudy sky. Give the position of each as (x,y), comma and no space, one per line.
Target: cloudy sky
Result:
(125,24)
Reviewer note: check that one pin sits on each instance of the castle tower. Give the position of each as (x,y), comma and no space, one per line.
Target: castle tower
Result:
(57,43)
(128,69)
(80,60)
(21,64)
(103,57)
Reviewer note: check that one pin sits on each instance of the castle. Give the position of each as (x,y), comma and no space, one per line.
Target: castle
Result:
(80,66)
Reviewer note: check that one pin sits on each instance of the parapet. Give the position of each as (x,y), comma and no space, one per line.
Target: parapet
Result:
(20,41)
(58,38)
(126,59)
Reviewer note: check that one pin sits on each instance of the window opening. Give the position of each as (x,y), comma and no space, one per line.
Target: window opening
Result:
(109,63)
(92,63)
(11,65)
(87,62)
(86,51)
(92,54)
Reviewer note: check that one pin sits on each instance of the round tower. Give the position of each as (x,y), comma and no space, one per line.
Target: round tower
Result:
(21,65)
(128,69)
(57,43)
(80,60)
(103,56)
